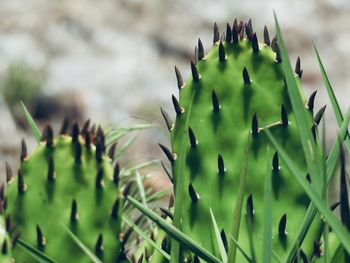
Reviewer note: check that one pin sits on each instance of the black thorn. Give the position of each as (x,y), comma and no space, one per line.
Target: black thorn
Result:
(275,163)
(168,173)
(40,239)
(224,239)
(116,173)
(49,135)
(216,37)
(88,140)
(65,126)
(194,71)
(24,152)
(317,249)
(8,172)
(75,132)
(284,116)
(74,212)
(99,153)
(298,69)
(127,188)
(278,56)
(266,36)
(168,153)
(274,45)
(115,209)
(234,35)
(4,248)
(240,29)
(196,259)
(255,43)
(86,127)
(249,30)
(308,178)
(168,121)
(167,213)
(311,101)
(319,115)
(77,153)
(255,125)
(282,226)
(171,201)
(194,196)
(228,33)
(8,224)
(111,151)
(99,179)
(164,244)
(100,139)
(51,170)
(215,101)
(221,165)
(250,206)
(178,109)
(193,140)
(99,244)
(222,55)
(21,186)
(200,50)
(334,206)
(235,24)
(179,79)
(344,197)
(246,77)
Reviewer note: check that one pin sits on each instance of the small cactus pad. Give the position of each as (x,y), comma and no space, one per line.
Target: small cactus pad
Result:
(236,92)
(67,181)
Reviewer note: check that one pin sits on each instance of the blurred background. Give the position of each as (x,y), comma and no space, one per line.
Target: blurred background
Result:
(113,61)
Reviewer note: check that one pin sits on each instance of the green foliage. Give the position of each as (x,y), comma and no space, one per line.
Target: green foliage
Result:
(22,83)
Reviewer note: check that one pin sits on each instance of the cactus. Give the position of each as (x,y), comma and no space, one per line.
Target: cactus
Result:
(67,181)
(219,149)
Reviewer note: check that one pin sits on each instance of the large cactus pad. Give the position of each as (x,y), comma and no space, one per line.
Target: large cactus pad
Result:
(236,92)
(66,182)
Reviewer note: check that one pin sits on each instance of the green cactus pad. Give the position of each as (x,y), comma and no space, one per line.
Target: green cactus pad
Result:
(236,92)
(66,181)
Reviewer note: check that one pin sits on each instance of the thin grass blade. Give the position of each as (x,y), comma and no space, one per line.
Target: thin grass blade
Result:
(175,233)
(35,129)
(218,239)
(35,253)
(145,236)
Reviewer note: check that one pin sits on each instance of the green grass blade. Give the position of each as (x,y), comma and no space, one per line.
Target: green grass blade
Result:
(145,236)
(35,253)
(245,254)
(312,210)
(330,218)
(81,245)
(267,239)
(218,238)
(133,169)
(35,130)
(311,152)
(125,147)
(237,212)
(175,233)
(334,102)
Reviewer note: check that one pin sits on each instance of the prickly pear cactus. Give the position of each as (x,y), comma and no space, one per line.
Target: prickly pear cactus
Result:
(67,181)
(219,149)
